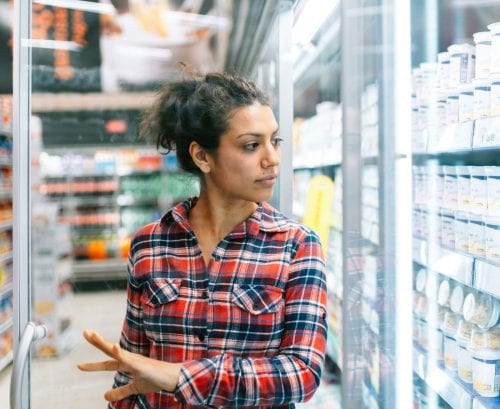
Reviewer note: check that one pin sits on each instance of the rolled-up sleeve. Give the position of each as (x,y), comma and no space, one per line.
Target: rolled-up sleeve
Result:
(294,373)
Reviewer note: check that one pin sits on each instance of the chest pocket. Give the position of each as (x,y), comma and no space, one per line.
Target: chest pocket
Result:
(163,316)
(257,299)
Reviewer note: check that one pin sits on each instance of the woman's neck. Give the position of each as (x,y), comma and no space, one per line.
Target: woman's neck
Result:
(217,216)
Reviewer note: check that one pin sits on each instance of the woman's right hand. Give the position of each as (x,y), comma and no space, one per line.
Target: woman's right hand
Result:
(148,375)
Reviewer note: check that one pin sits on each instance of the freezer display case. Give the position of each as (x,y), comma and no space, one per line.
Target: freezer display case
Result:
(455,144)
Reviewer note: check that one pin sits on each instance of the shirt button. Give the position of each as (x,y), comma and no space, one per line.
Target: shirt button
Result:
(204,295)
(201,336)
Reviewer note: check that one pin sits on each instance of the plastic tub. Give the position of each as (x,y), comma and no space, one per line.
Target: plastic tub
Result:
(482,40)
(478,190)
(462,63)
(485,350)
(492,239)
(466,103)
(444,293)
(420,280)
(464,358)
(476,236)
(481,310)
(463,184)
(462,232)
(495,94)
(443,71)
(457,299)
(495,47)
(482,98)
(452,107)
(493,189)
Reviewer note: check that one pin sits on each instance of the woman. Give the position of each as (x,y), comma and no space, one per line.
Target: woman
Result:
(226,296)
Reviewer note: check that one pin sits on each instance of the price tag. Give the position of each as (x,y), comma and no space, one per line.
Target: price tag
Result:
(483,135)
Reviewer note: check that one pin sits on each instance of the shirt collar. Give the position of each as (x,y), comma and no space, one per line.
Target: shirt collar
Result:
(265,218)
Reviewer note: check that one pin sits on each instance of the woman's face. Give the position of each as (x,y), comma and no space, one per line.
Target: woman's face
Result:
(246,164)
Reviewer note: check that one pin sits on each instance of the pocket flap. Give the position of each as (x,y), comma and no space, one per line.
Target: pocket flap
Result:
(162,290)
(257,299)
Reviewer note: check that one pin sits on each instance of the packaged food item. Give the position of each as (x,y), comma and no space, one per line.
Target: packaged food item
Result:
(435,340)
(485,350)
(452,106)
(466,103)
(492,239)
(450,324)
(443,71)
(457,299)
(420,280)
(493,189)
(450,353)
(444,293)
(462,63)
(422,334)
(478,190)
(495,47)
(481,309)
(447,224)
(464,358)
(476,236)
(482,98)
(432,287)
(495,94)
(450,193)
(462,231)
(482,40)
(463,184)
(421,309)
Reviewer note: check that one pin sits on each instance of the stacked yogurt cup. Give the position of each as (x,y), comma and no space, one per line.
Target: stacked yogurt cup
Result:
(483,311)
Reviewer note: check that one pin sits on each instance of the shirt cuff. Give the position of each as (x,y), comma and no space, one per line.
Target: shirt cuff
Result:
(195,382)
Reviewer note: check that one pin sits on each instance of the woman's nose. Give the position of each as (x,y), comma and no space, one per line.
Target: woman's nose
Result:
(272,156)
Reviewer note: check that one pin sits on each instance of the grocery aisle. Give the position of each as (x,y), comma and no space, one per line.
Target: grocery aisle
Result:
(59,384)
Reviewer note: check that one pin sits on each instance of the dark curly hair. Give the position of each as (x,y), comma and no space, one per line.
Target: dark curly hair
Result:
(197,109)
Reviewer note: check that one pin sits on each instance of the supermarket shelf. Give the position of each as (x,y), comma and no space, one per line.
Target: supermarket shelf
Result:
(6,257)
(7,225)
(48,102)
(5,163)
(320,166)
(6,325)
(5,194)
(448,385)
(473,271)
(6,360)
(6,289)
(96,270)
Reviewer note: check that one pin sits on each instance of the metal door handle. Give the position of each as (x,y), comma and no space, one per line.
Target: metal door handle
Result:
(32,332)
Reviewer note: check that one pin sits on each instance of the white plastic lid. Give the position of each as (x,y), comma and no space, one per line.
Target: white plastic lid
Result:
(481,82)
(444,293)
(482,36)
(431,287)
(469,305)
(420,280)
(466,87)
(457,299)
(444,56)
(494,27)
(461,49)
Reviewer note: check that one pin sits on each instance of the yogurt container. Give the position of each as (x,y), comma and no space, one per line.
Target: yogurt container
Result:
(492,239)
(495,94)
(457,299)
(450,346)
(464,358)
(495,47)
(493,189)
(482,40)
(444,293)
(450,194)
(476,236)
(443,71)
(462,232)
(478,190)
(452,107)
(420,280)
(482,98)
(485,350)
(482,310)
(466,103)
(463,184)
(462,63)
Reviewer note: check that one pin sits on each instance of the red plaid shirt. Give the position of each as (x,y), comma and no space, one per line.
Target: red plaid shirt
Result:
(250,328)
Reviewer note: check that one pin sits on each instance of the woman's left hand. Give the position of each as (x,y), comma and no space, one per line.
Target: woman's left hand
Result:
(148,375)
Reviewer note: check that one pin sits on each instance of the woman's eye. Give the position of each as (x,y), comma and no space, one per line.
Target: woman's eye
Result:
(251,146)
(277,141)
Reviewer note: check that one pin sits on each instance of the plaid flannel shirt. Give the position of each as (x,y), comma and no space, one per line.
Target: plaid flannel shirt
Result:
(250,328)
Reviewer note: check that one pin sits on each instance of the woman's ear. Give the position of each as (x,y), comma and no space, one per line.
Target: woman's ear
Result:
(199,156)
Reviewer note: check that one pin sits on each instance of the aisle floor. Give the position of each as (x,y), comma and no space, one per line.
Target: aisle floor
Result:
(58,384)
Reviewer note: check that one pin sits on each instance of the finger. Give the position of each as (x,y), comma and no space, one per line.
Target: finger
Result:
(111,365)
(121,392)
(99,342)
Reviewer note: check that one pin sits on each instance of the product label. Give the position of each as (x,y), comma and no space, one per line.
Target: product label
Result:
(493,195)
(492,241)
(464,365)
(486,377)
(450,353)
